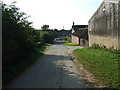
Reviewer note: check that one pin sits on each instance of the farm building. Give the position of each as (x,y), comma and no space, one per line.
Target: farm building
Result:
(80,34)
(104,25)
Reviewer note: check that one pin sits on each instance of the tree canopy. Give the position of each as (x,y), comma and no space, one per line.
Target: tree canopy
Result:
(20,41)
(45,27)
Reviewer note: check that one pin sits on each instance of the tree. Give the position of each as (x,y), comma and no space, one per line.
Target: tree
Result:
(17,39)
(45,27)
(55,29)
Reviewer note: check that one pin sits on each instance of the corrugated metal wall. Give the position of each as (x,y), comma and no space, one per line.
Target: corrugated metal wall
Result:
(105,21)
(119,20)
(104,25)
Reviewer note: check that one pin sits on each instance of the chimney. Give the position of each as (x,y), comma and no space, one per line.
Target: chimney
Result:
(73,23)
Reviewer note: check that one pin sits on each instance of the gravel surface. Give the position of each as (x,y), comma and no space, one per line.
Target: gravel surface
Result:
(54,69)
(71,48)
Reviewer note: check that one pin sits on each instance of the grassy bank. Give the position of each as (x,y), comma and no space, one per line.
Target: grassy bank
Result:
(103,64)
(13,71)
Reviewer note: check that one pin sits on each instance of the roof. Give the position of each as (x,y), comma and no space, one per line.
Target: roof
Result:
(112,1)
(65,32)
(78,27)
(81,33)
(104,1)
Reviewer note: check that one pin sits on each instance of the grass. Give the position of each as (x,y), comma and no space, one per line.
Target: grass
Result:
(14,71)
(70,43)
(103,64)
(65,41)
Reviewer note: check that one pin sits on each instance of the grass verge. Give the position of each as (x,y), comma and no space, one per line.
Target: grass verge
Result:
(103,64)
(65,41)
(14,71)
(70,44)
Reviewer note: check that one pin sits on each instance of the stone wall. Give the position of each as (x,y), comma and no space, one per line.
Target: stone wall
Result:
(80,41)
(75,39)
(105,41)
(84,42)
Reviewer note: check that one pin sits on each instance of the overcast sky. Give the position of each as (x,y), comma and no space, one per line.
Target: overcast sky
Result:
(57,13)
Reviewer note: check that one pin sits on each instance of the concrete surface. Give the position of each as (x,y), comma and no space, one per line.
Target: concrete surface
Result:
(55,69)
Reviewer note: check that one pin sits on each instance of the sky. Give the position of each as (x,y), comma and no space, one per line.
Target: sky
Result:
(57,14)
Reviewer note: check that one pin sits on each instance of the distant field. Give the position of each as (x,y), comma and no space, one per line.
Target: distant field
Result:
(101,63)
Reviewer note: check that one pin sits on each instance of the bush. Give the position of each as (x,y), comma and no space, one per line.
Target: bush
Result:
(67,38)
(96,46)
(21,44)
(18,45)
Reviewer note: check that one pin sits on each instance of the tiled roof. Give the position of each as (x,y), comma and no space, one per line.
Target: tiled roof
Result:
(81,33)
(78,27)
